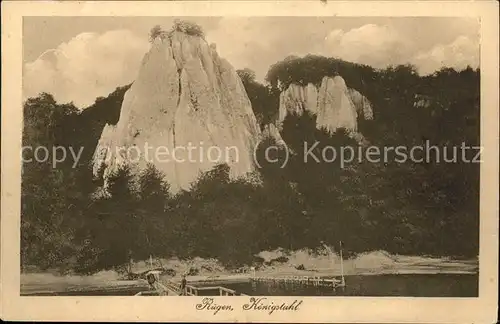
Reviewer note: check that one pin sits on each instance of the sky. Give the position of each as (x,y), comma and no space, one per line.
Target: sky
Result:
(80,58)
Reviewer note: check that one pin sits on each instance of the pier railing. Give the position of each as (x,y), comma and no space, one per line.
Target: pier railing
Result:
(171,288)
(195,291)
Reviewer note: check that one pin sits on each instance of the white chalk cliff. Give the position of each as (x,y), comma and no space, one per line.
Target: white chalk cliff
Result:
(270,131)
(185,96)
(334,104)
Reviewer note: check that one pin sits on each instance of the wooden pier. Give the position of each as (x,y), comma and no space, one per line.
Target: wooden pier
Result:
(195,291)
(309,280)
(303,280)
(159,289)
(171,288)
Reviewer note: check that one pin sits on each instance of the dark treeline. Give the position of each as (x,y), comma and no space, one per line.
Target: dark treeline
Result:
(426,207)
(408,208)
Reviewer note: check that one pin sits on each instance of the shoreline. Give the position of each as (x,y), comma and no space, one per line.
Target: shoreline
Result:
(30,286)
(248,277)
(210,271)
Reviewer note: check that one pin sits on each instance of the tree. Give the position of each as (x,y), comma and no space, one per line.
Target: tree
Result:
(154,199)
(264,99)
(156,32)
(187,27)
(246,75)
(48,198)
(111,229)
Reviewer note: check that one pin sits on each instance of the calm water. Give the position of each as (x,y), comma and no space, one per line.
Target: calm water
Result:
(414,285)
(129,291)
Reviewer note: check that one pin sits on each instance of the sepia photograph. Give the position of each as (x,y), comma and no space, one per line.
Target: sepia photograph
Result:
(259,156)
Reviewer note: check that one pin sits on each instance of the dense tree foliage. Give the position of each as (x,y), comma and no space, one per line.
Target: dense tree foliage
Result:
(410,208)
(264,99)
(312,69)
(414,207)
(55,198)
(187,27)
(49,196)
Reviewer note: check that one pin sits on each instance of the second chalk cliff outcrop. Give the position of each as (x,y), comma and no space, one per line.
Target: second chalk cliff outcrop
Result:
(334,104)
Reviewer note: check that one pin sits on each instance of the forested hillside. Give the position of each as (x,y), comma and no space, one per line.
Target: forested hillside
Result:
(407,208)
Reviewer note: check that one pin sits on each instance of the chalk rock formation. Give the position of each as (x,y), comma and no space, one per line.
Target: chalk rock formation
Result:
(361,103)
(296,99)
(421,101)
(272,132)
(335,108)
(186,112)
(334,105)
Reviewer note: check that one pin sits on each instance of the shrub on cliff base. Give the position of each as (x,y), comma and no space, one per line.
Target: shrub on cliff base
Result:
(280,259)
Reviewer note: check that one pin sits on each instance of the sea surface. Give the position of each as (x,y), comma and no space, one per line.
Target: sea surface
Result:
(411,285)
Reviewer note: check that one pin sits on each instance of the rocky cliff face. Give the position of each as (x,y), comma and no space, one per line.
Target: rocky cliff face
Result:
(186,112)
(270,131)
(334,104)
